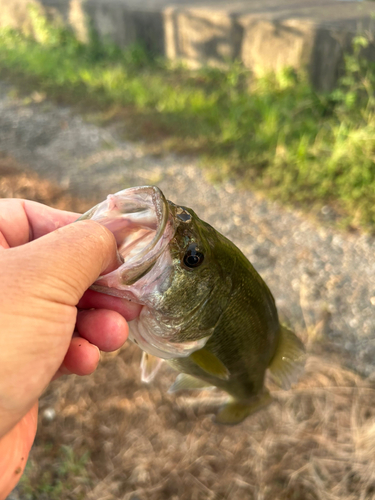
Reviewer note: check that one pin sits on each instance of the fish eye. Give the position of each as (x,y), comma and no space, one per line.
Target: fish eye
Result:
(193,257)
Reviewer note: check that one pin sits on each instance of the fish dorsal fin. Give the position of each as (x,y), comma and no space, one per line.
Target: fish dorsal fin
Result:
(149,366)
(210,363)
(187,382)
(289,360)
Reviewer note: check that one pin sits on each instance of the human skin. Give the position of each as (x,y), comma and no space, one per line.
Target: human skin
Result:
(50,323)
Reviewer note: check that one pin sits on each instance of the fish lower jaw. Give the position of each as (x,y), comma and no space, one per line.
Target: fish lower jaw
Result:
(153,339)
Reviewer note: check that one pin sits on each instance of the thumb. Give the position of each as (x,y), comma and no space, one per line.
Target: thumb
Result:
(61,265)
(41,283)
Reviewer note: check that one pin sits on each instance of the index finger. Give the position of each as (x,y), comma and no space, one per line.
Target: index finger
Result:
(22,221)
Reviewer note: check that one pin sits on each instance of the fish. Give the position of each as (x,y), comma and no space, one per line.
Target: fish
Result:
(206,310)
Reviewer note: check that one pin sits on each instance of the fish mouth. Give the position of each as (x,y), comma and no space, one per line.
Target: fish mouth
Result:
(142,224)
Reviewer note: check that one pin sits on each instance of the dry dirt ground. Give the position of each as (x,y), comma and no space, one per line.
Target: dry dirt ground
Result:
(17,181)
(109,436)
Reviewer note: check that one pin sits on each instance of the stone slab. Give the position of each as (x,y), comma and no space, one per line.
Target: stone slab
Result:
(264,34)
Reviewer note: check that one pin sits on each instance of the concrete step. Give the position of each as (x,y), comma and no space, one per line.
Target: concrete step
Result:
(264,34)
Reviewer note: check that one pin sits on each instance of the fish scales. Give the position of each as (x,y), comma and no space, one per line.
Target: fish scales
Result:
(244,347)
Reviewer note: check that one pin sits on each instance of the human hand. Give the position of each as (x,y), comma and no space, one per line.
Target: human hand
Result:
(46,266)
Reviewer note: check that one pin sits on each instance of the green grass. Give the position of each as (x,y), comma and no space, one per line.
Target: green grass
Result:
(274,134)
(64,476)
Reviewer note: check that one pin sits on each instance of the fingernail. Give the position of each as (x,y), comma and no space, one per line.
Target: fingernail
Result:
(97,348)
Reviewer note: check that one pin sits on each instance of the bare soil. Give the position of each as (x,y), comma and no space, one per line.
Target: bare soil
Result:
(109,436)
(17,181)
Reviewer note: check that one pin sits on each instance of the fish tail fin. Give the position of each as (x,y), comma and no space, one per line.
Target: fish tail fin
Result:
(289,359)
(234,412)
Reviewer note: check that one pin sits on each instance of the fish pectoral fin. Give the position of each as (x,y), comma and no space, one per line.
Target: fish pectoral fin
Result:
(187,382)
(234,412)
(210,363)
(289,360)
(150,365)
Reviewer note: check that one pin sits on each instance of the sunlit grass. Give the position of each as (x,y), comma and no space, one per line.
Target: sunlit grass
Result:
(274,134)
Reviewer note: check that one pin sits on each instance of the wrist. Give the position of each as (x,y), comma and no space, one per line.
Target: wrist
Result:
(15,447)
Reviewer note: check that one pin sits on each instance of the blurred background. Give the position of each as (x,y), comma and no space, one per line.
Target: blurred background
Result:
(260,116)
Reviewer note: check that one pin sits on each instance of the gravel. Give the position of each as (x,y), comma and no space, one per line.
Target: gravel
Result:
(323,279)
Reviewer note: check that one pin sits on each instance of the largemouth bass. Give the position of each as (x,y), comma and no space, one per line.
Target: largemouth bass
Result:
(205,308)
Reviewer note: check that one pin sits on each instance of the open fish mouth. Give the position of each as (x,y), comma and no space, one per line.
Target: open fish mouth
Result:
(141,222)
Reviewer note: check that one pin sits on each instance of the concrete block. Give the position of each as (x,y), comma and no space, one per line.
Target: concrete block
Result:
(297,43)
(199,36)
(14,14)
(326,60)
(117,22)
(270,45)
